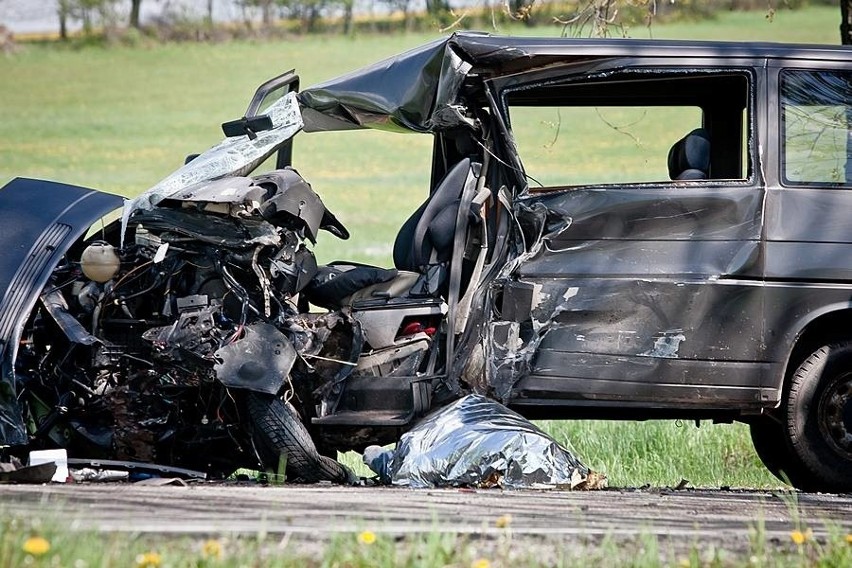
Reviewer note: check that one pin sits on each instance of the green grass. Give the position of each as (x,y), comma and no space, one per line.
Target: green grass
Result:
(45,542)
(662,453)
(120,119)
(812,25)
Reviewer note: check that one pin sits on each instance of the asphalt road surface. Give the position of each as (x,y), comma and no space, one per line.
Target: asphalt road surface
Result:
(314,513)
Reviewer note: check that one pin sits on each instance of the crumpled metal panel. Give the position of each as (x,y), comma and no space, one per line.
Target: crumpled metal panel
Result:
(235,190)
(479,442)
(219,231)
(39,221)
(634,293)
(260,361)
(422,89)
(408,92)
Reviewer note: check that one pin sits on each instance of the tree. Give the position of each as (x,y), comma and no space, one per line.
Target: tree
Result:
(403,6)
(134,13)
(310,13)
(86,11)
(266,9)
(846,22)
(63,9)
(347,6)
(599,17)
(437,7)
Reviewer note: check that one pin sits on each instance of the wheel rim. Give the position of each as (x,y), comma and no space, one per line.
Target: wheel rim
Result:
(835,414)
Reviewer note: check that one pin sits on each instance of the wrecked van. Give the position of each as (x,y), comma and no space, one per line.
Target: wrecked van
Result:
(700,274)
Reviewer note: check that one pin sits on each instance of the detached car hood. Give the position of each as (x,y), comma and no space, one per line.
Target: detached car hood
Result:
(39,222)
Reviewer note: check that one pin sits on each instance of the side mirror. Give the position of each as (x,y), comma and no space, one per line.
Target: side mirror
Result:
(247,126)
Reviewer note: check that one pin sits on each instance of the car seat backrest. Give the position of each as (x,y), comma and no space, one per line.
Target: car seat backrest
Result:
(427,236)
(689,157)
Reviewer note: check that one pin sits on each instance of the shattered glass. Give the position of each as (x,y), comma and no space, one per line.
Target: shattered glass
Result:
(231,157)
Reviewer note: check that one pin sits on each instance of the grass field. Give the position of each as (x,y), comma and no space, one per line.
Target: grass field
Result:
(34,543)
(120,119)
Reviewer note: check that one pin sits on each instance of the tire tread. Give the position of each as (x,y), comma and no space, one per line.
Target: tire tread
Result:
(279,430)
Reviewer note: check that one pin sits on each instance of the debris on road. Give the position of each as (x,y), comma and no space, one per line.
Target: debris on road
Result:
(14,471)
(99,475)
(57,457)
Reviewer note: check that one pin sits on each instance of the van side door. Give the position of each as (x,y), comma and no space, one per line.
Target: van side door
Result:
(644,287)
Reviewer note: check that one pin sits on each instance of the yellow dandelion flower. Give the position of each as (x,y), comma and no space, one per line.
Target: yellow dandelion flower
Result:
(849,538)
(367,537)
(212,549)
(480,563)
(148,560)
(800,537)
(503,521)
(36,546)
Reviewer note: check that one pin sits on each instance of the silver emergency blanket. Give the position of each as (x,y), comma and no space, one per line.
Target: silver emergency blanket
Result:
(478,442)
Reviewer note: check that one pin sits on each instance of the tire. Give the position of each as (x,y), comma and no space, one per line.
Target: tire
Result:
(769,438)
(818,419)
(279,431)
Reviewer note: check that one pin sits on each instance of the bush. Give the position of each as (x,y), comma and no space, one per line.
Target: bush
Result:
(7,40)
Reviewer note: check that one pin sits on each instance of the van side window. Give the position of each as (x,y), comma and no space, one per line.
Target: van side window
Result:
(816,114)
(633,126)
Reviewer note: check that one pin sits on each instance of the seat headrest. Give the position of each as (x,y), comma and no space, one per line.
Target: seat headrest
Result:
(689,157)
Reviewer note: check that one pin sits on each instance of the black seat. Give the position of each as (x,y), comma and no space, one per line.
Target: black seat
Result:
(689,157)
(422,251)
(427,236)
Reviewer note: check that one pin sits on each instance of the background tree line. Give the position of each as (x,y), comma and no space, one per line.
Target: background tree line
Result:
(577,17)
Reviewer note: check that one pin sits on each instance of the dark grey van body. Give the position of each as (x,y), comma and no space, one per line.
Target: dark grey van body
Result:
(714,293)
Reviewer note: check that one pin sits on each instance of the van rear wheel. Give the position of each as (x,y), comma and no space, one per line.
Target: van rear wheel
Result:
(809,443)
(818,420)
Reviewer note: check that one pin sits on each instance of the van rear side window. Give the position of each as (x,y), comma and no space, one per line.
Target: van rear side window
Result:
(816,115)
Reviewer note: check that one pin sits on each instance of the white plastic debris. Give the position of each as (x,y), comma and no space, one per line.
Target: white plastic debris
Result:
(60,457)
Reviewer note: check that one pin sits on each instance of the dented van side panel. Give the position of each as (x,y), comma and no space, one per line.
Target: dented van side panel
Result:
(648,295)
(644,294)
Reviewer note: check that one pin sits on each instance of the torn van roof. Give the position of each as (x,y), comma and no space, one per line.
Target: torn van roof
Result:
(422,90)
(399,93)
